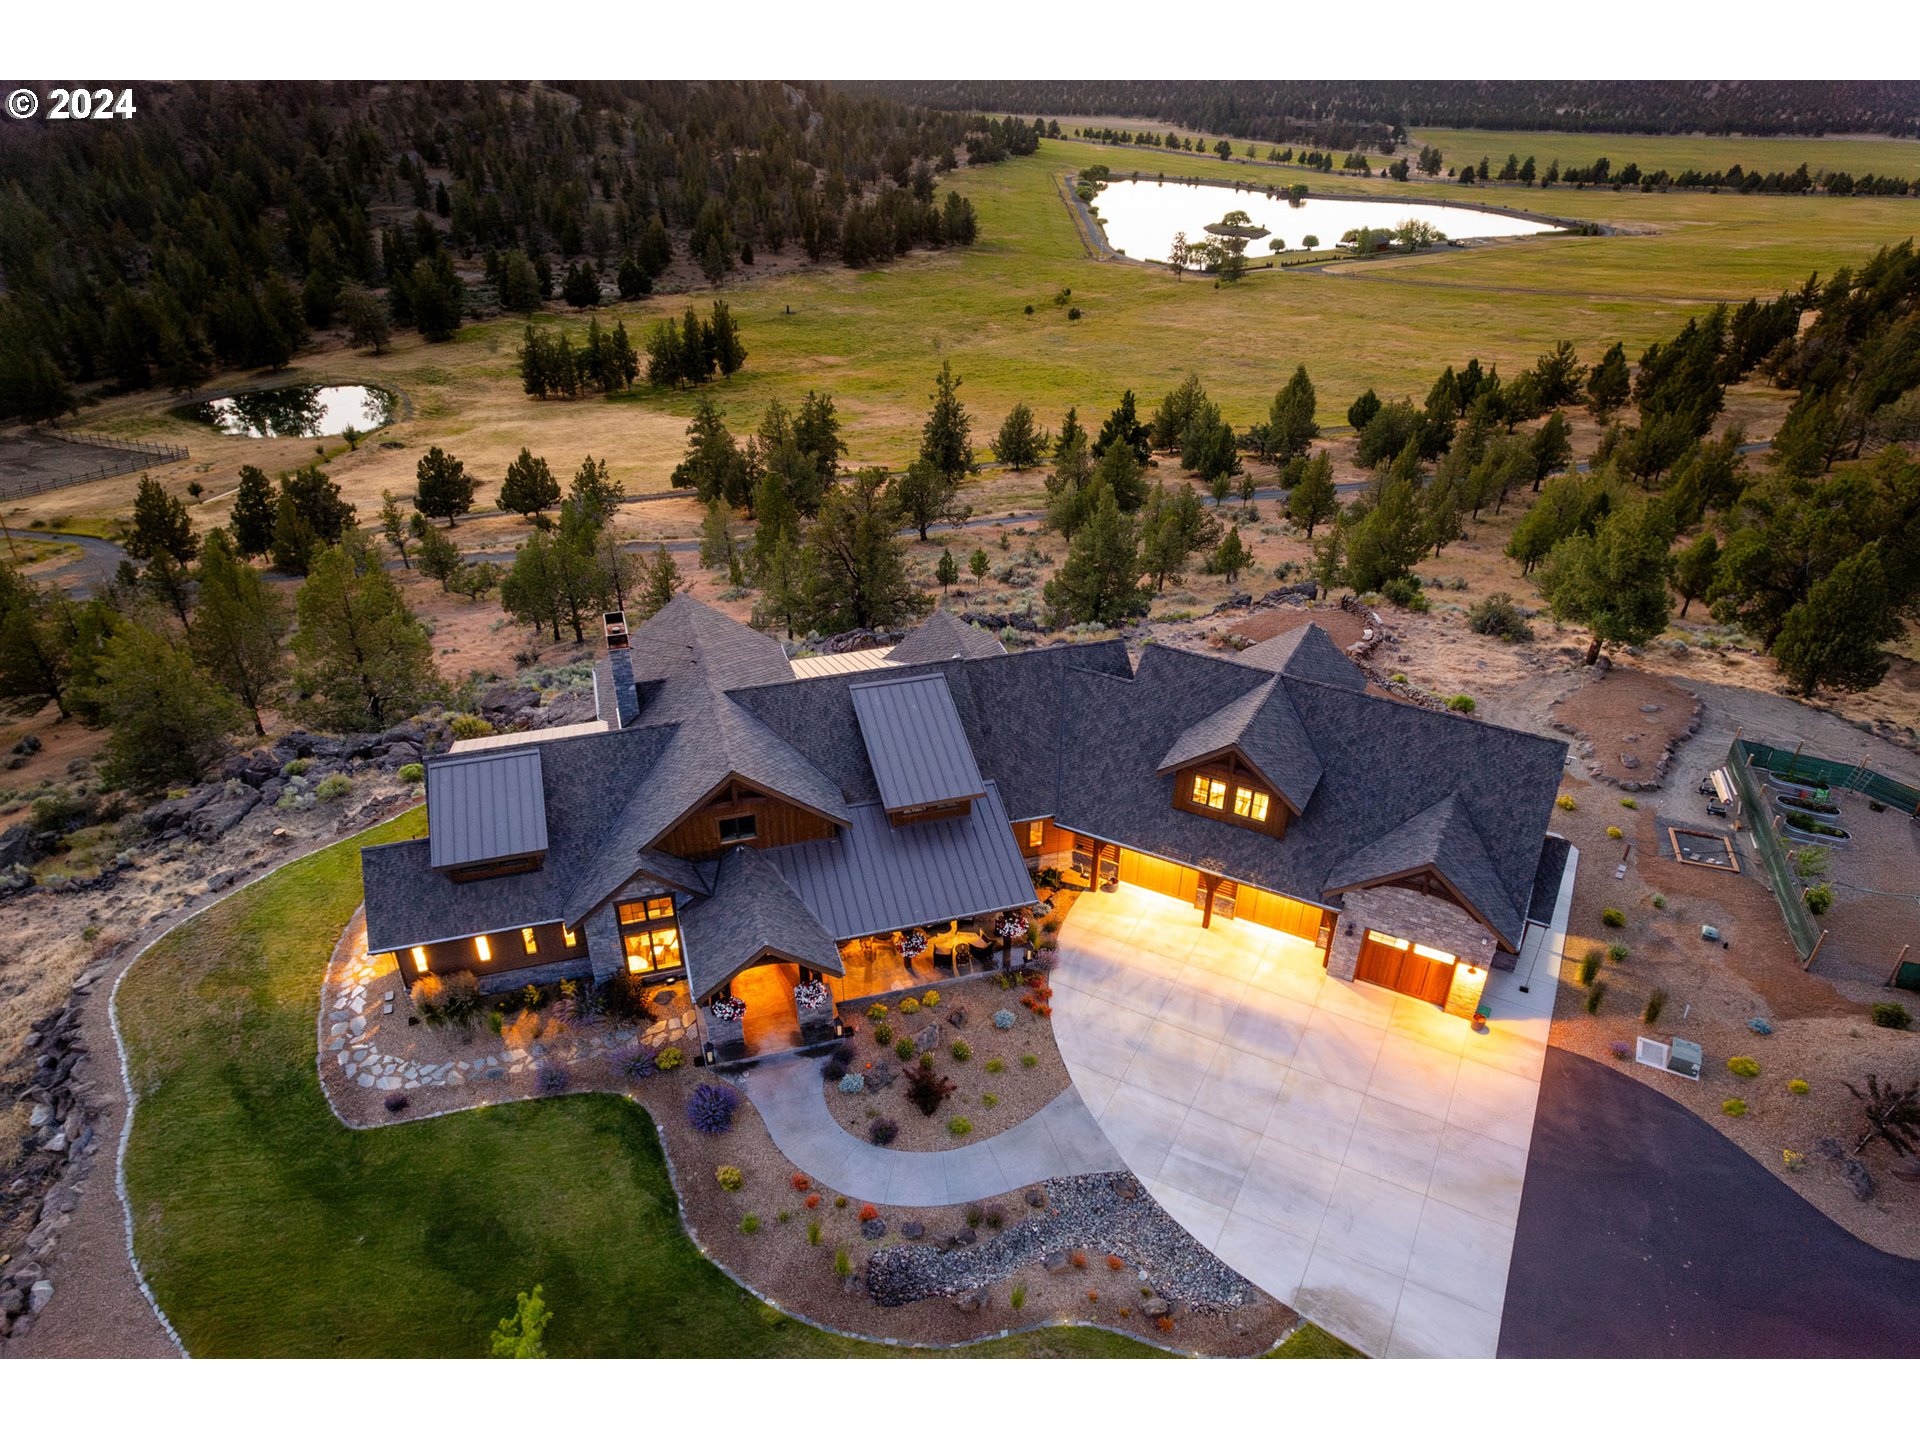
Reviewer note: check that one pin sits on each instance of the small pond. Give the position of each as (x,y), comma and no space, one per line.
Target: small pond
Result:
(297,410)
(1142,216)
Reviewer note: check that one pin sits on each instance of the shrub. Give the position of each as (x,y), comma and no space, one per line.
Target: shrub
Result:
(996,1065)
(552,1080)
(1614,832)
(852,1083)
(1617,953)
(869,1212)
(1798,1087)
(1745,1066)
(334,787)
(961,1051)
(1627,802)
(842,1262)
(1820,899)
(1793,1160)
(1589,967)
(1003,1019)
(843,1052)
(1019,1297)
(833,1072)
(876,1011)
(1659,900)
(839,1202)
(622,998)
(1595,994)
(1612,918)
(1498,615)
(296,767)
(959,1125)
(882,1130)
(904,1048)
(926,1090)
(1027,1062)
(749,1224)
(926,1060)
(996,1217)
(670,1058)
(1891,1015)
(1619,1050)
(412,773)
(395,1104)
(1164,1324)
(469,727)
(909,1006)
(989,1101)
(1656,1002)
(930,999)
(1735,1107)
(1461,703)
(1073,312)
(813,1202)
(813,1232)
(799,1181)
(710,1109)
(1565,802)
(883,1034)
(729,1177)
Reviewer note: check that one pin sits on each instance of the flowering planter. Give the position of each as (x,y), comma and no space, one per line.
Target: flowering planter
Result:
(726,1023)
(813,1003)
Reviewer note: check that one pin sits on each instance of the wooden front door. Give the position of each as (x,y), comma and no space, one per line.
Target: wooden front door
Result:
(1392,962)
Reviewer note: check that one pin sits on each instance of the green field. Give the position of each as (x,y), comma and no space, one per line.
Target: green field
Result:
(875,338)
(267,1228)
(1676,153)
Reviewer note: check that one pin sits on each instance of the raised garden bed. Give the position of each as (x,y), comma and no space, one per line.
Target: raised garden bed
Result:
(1019,1067)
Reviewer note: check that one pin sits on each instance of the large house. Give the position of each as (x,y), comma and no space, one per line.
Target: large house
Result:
(783,835)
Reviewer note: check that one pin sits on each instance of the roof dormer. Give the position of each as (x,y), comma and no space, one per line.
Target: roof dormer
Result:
(486,813)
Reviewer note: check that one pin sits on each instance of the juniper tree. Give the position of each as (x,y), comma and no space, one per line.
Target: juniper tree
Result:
(529,486)
(169,722)
(1019,444)
(442,486)
(1313,498)
(1099,582)
(1833,638)
(1614,581)
(361,659)
(240,628)
(947,570)
(251,518)
(945,439)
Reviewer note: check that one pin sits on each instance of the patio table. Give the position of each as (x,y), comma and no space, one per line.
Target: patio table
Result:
(949,943)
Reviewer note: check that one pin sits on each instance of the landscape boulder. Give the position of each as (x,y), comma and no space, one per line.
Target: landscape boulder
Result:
(213,821)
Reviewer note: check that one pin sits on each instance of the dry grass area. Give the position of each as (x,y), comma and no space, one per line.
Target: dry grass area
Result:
(995,1087)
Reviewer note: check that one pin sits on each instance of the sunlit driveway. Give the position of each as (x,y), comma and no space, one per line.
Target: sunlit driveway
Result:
(1354,1152)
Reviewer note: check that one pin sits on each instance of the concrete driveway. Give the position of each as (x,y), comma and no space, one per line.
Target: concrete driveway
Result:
(1355,1152)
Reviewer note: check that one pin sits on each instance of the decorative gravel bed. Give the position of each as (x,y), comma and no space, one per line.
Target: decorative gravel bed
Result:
(1110,1215)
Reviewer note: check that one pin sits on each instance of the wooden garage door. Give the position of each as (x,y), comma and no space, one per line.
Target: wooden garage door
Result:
(1392,962)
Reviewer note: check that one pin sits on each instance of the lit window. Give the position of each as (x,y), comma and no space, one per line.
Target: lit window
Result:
(1392,940)
(526,939)
(481,948)
(419,960)
(737,828)
(1216,794)
(1036,834)
(1442,956)
(567,937)
(652,950)
(1199,789)
(660,909)
(1258,811)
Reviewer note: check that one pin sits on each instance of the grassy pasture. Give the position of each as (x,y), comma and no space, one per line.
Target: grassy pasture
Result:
(875,338)
(1856,155)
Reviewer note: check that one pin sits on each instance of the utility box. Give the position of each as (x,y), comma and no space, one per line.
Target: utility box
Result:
(1683,1058)
(1708,932)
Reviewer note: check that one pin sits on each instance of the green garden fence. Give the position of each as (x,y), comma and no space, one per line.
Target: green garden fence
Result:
(1773,855)
(1832,774)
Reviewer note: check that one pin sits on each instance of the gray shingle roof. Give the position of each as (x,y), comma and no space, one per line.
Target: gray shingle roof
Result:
(485,806)
(944,636)
(752,911)
(1382,763)
(880,877)
(1441,836)
(1306,653)
(1261,725)
(1546,879)
(915,741)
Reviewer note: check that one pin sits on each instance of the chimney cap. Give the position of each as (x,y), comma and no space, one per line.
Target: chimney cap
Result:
(614,622)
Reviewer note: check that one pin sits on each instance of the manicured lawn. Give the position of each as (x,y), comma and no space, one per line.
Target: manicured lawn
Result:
(1310,1342)
(267,1228)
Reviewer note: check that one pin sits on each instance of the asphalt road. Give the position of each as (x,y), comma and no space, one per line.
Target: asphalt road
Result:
(1645,1233)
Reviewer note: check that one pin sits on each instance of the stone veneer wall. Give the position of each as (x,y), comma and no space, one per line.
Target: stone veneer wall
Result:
(1396,910)
(603,943)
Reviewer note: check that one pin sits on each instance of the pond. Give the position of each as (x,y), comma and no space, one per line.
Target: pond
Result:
(297,410)
(1142,216)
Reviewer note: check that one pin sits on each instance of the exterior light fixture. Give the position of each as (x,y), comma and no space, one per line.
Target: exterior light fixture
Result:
(482,949)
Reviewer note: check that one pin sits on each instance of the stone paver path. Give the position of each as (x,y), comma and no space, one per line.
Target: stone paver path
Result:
(1061,1139)
(365,1037)
(1356,1153)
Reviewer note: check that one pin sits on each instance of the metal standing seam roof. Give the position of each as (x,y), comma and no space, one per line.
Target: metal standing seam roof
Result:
(915,741)
(878,876)
(485,806)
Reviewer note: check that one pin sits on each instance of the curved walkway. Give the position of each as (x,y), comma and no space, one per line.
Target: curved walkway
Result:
(1645,1232)
(1061,1139)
